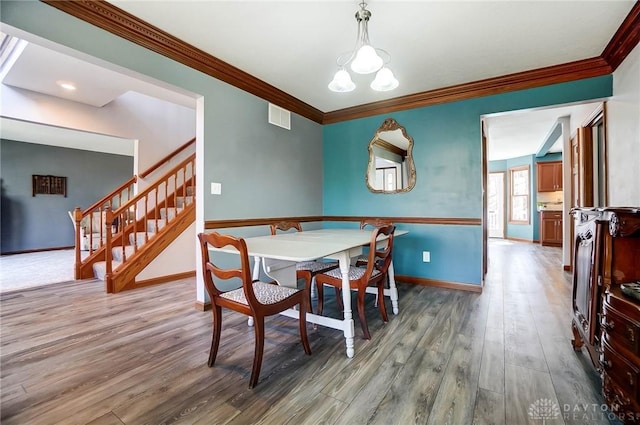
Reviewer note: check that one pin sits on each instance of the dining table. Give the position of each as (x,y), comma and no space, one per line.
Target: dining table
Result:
(278,255)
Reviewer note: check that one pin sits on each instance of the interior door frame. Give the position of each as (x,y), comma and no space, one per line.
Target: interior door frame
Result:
(484,180)
(595,149)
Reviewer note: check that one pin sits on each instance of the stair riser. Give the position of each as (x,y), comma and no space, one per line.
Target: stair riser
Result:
(117,253)
(100,268)
(181,201)
(139,238)
(169,213)
(151,225)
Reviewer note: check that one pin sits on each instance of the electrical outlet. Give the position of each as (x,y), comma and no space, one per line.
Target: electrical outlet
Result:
(426,256)
(216,188)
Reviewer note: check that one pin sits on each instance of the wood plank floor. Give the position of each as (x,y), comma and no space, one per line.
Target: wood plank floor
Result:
(71,354)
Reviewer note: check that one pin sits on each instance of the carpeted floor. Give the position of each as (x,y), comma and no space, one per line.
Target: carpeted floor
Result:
(21,271)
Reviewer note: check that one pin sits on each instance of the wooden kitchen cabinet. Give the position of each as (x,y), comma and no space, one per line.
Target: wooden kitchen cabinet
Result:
(549,176)
(551,228)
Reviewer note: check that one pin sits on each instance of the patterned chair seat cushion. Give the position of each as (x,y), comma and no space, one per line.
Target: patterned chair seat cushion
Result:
(363,260)
(354,273)
(316,266)
(266,293)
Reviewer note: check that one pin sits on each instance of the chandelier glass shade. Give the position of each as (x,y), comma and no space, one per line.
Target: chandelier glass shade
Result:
(364,59)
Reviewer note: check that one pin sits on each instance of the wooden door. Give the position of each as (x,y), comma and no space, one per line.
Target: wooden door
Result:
(575,176)
(585,167)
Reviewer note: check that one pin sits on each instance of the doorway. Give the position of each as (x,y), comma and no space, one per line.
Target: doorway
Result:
(514,138)
(495,205)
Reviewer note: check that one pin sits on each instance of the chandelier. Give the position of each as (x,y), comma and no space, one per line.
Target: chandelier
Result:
(364,59)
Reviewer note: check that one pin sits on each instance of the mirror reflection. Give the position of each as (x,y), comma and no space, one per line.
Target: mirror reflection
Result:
(391,168)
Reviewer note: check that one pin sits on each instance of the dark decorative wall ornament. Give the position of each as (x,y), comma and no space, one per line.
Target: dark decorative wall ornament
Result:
(49,185)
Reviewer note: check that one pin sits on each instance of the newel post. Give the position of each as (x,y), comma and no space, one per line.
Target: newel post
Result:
(77,219)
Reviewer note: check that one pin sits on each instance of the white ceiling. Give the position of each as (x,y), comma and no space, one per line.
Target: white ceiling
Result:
(520,133)
(293,46)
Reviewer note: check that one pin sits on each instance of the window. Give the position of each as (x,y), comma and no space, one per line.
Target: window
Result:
(519,182)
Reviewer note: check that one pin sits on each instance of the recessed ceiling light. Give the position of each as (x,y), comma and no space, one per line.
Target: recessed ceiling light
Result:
(66,86)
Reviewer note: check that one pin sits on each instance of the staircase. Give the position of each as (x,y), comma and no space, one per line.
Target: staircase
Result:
(137,239)
(136,229)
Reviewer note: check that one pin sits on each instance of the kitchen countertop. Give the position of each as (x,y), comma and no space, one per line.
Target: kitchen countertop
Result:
(550,207)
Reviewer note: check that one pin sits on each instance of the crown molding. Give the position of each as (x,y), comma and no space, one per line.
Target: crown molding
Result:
(586,68)
(104,15)
(625,39)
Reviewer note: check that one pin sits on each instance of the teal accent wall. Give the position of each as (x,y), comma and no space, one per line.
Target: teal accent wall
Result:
(447,153)
(265,170)
(495,166)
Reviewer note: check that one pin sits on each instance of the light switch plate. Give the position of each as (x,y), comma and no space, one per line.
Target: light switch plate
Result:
(426,256)
(216,188)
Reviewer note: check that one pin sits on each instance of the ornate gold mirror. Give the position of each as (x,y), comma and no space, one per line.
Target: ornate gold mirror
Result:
(391,168)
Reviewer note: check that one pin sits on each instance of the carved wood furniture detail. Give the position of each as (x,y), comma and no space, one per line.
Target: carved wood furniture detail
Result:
(586,292)
(605,321)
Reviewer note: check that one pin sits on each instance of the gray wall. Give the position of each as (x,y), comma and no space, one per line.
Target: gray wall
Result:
(265,170)
(41,222)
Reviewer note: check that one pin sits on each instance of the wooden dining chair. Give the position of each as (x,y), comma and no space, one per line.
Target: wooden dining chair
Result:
(375,273)
(254,298)
(364,224)
(306,270)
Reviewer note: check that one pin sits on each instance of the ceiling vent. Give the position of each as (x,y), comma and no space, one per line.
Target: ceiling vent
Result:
(279,116)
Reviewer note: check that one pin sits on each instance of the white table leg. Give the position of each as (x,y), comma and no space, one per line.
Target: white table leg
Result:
(254,275)
(256,268)
(349,331)
(283,272)
(393,289)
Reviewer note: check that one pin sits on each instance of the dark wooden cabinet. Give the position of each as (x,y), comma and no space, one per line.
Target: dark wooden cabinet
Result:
(587,294)
(605,321)
(620,355)
(549,176)
(551,228)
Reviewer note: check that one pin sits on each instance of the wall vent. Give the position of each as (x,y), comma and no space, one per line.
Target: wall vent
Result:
(279,116)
